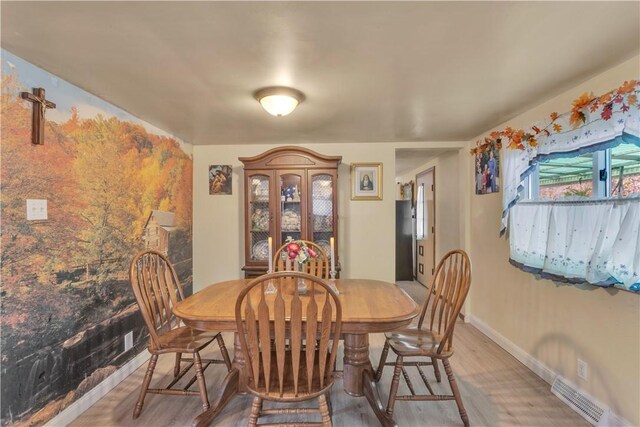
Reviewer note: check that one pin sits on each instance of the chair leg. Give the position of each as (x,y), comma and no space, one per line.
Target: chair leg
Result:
(197,363)
(324,411)
(223,350)
(256,407)
(328,395)
(456,392)
(436,369)
(383,360)
(176,368)
(394,385)
(145,385)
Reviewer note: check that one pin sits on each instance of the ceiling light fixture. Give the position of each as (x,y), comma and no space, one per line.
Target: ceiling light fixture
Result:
(279,100)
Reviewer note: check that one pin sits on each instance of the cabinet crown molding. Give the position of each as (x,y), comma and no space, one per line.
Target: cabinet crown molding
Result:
(291,155)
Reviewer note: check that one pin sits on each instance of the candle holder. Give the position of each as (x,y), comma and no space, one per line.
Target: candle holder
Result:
(302,285)
(271,289)
(332,284)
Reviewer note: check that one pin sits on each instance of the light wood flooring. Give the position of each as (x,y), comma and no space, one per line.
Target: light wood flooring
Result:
(497,391)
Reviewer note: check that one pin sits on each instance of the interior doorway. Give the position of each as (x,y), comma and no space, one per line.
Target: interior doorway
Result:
(425,225)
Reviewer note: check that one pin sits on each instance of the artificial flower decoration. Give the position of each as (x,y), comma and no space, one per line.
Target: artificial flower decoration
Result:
(584,110)
(298,251)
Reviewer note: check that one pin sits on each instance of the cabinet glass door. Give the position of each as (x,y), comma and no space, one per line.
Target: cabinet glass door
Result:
(322,215)
(291,207)
(259,217)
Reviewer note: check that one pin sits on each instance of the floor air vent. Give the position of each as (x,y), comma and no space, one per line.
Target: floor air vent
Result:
(585,405)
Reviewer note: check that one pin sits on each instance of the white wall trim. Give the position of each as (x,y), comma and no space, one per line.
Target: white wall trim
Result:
(73,411)
(538,368)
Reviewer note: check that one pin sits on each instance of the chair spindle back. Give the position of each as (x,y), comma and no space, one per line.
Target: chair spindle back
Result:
(447,292)
(263,322)
(318,266)
(157,289)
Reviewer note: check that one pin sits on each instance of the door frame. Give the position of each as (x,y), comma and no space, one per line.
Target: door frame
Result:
(432,169)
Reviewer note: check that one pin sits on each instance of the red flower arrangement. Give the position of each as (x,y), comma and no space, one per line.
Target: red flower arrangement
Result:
(298,251)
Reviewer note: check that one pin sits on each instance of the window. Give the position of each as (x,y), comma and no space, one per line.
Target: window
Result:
(420,217)
(625,162)
(594,175)
(566,177)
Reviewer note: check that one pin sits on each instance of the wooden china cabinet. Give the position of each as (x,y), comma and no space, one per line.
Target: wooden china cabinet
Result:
(288,191)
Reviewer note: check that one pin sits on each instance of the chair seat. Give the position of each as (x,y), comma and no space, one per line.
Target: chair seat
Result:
(288,392)
(183,340)
(412,341)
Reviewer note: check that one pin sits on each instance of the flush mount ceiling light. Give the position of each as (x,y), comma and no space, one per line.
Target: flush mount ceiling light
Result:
(279,100)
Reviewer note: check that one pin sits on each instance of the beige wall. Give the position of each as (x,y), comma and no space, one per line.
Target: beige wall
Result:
(367,228)
(448,200)
(552,322)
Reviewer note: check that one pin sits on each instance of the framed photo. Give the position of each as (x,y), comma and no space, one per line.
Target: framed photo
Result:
(366,181)
(220,179)
(487,169)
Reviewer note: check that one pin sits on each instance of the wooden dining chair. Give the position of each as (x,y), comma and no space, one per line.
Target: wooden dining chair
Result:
(301,369)
(434,338)
(318,266)
(157,289)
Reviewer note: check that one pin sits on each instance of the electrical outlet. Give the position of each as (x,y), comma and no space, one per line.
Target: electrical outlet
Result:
(583,369)
(128,341)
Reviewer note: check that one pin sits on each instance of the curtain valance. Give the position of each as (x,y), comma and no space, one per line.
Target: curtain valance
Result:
(594,123)
(577,241)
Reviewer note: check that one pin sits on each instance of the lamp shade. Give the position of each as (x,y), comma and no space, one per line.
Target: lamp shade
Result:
(278,100)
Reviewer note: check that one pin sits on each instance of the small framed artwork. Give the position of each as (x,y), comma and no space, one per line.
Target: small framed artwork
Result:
(421,250)
(366,181)
(487,169)
(220,179)
(421,268)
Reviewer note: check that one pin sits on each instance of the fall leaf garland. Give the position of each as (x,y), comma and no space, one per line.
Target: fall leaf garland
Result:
(626,96)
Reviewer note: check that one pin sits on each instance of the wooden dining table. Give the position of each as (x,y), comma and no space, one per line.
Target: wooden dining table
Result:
(368,306)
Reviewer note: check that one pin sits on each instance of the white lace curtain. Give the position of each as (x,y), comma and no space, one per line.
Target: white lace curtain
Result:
(577,241)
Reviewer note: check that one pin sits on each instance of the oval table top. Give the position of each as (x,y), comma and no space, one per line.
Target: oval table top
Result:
(367,306)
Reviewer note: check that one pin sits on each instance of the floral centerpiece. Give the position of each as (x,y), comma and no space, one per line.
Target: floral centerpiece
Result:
(298,251)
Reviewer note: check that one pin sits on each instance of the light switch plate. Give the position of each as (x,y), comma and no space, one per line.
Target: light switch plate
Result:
(128,341)
(36,209)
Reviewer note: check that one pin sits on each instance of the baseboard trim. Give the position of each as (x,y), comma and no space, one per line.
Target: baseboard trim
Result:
(538,368)
(73,411)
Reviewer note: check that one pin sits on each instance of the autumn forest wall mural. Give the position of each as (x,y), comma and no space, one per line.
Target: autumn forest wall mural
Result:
(114,185)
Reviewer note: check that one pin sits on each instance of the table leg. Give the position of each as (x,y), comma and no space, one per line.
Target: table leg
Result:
(358,375)
(238,362)
(234,383)
(356,361)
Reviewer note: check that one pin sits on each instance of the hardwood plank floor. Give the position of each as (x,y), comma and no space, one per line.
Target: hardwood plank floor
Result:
(497,391)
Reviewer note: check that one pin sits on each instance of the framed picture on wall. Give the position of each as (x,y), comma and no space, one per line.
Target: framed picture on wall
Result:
(366,181)
(487,169)
(220,179)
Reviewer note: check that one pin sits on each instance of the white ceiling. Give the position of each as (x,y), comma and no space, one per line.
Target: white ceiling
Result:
(371,71)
